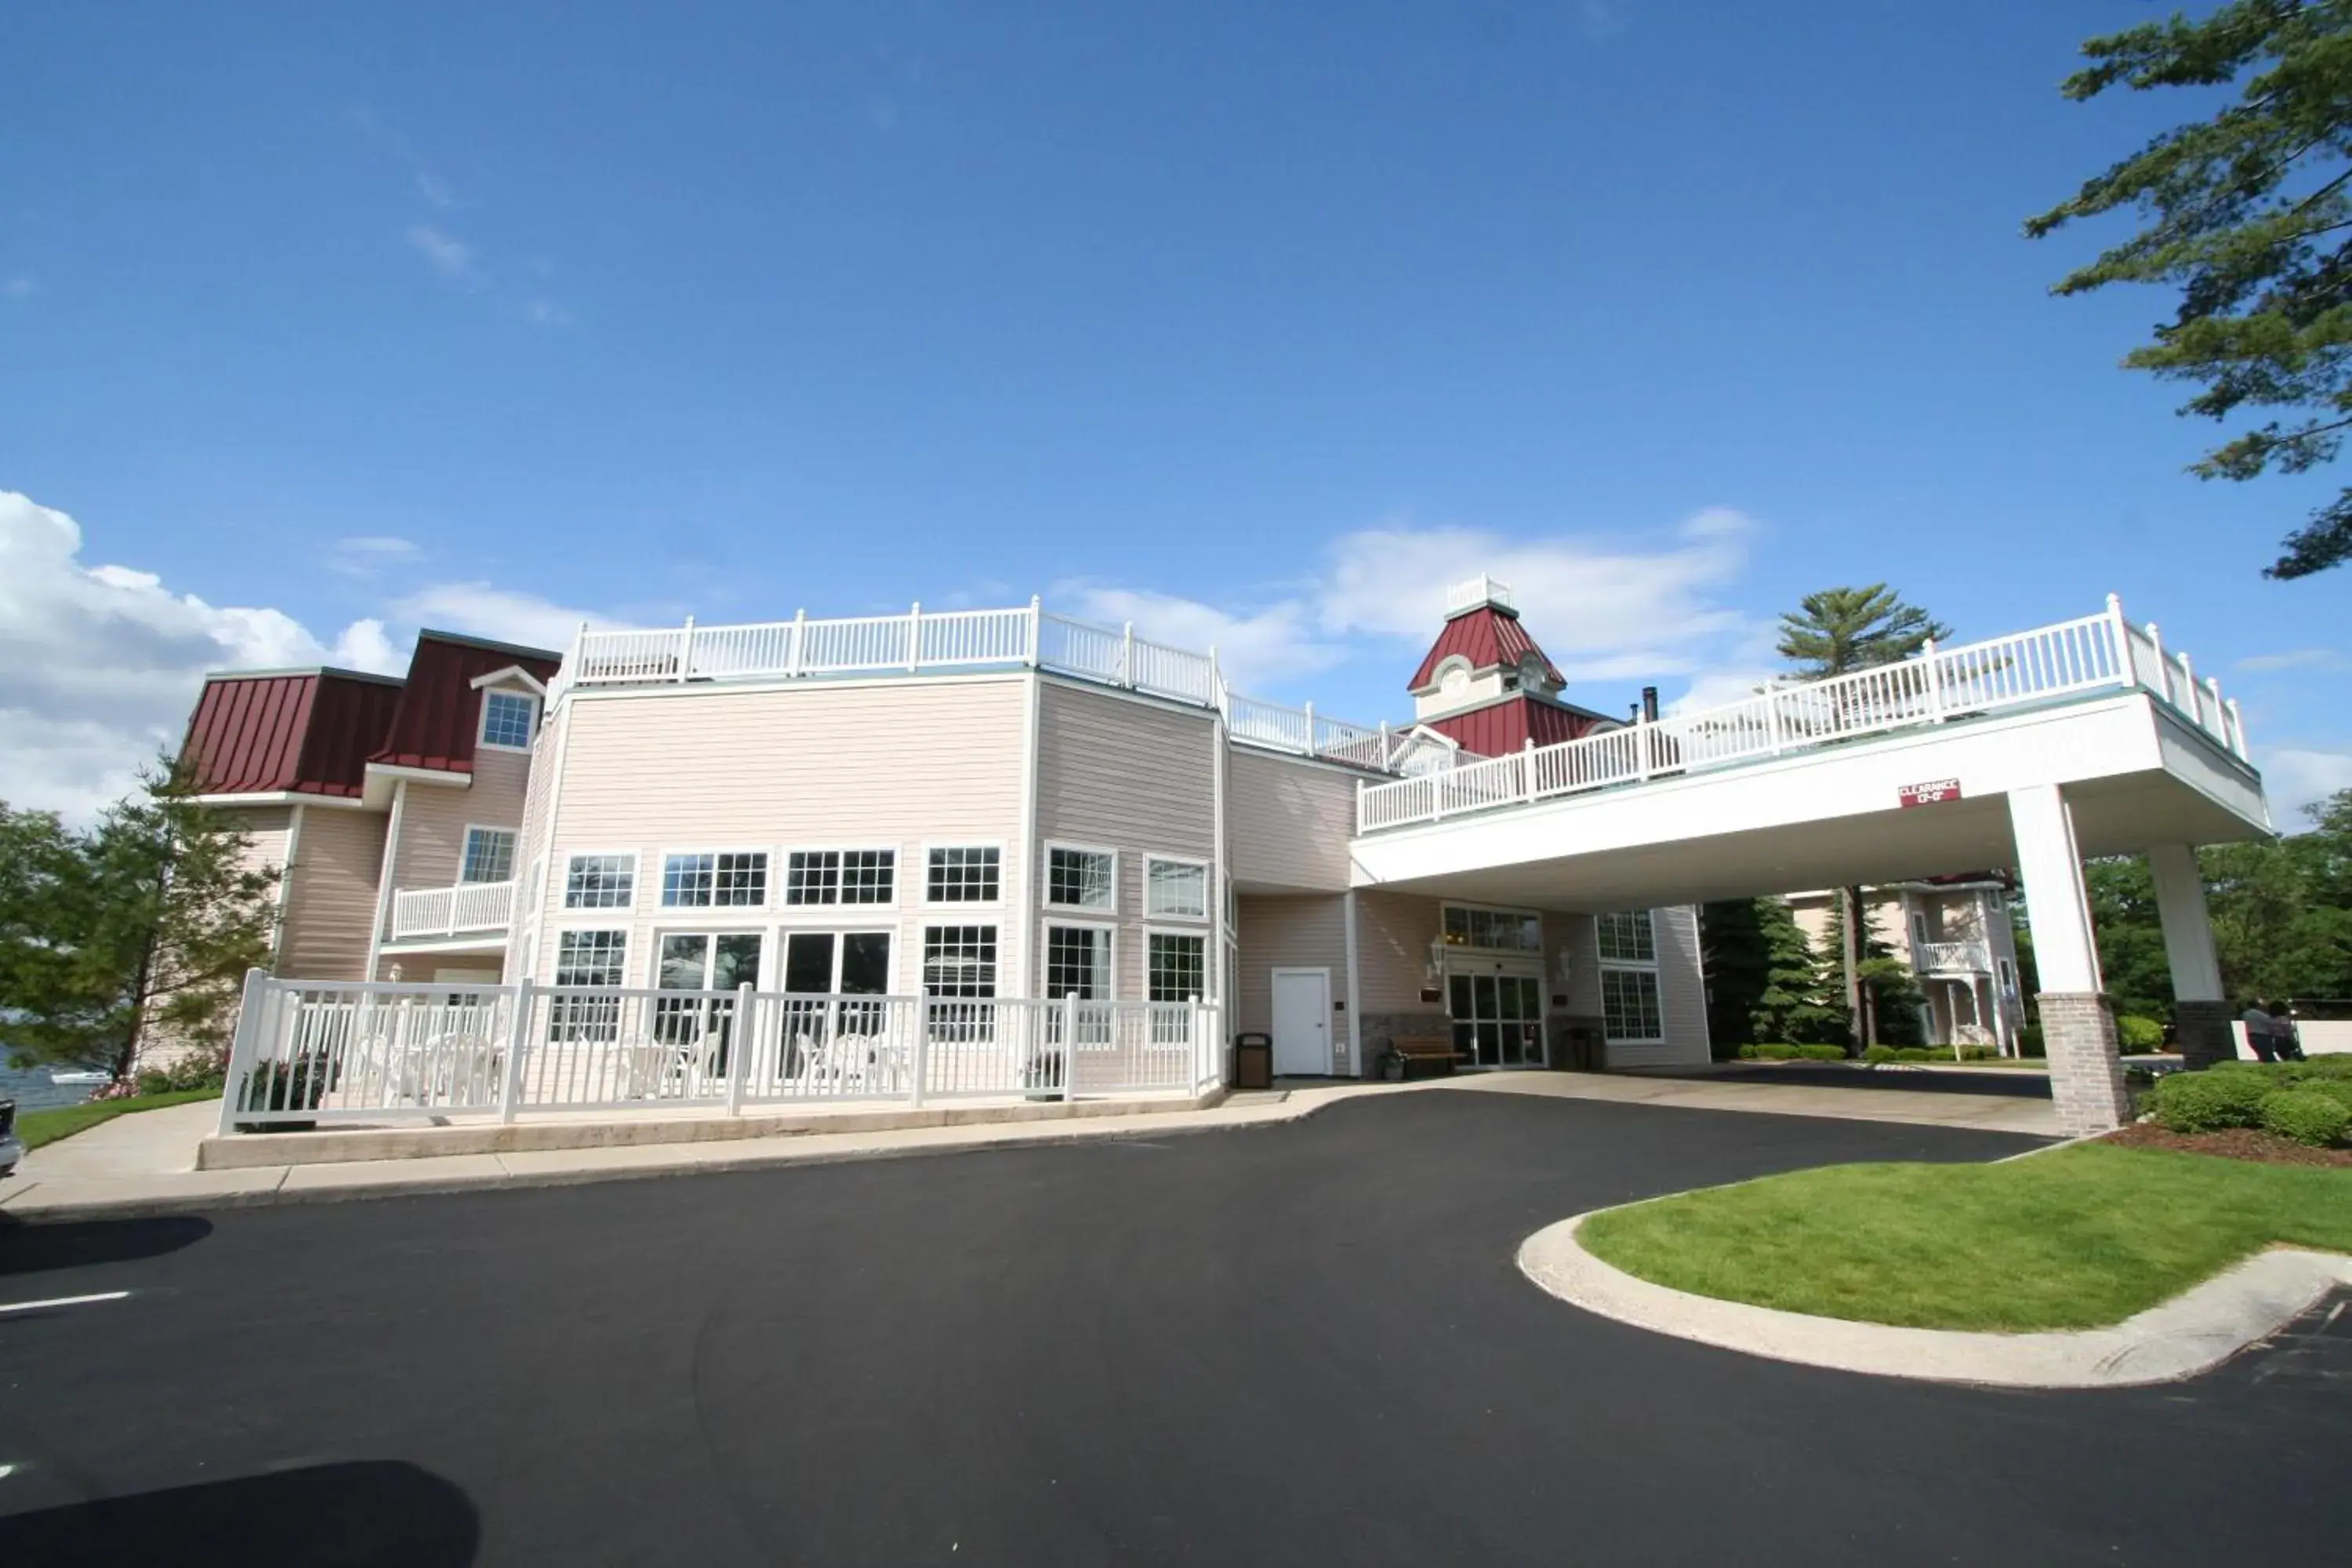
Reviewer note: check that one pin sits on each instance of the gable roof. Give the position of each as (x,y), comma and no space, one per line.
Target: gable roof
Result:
(1488,636)
(307,732)
(439,713)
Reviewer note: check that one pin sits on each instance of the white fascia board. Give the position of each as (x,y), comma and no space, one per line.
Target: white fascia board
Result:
(282,797)
(514,673)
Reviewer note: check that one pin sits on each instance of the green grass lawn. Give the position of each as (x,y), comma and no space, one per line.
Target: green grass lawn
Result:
(2076,1239)
(39,1127)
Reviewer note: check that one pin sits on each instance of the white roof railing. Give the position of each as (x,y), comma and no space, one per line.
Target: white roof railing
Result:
(1476,591)
(2097,652)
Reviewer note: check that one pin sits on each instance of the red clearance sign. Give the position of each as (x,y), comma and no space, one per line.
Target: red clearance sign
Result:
(1928,794)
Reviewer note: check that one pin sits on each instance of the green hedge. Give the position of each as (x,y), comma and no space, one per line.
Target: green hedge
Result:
(2305,1116)
(2139,1036)
(2239,1094)
(1821,1053)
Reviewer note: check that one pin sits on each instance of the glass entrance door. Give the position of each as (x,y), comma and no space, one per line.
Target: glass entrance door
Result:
(703,962)
(1497,1019)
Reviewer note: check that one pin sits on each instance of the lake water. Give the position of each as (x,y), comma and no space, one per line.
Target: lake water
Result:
(33,1090)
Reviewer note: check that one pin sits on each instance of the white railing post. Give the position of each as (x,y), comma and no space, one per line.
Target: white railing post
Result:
(2188,689)
(1069,1046)
(739,1038)
(1935,681)
(2163,670)
(1772,716)
(915,637)
(1310,729)
(242,1046)
(1527,772)
(2221,725)
(917,1053)
(800,631)
(1197,1036)
(2120,633)
(1642,746)
(1384,746)
(686,649)
(1219,697)
(1036,630)
(1127,655)
(518,1041)
(2237,730)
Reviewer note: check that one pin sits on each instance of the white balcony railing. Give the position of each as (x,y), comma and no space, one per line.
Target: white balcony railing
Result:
(1951,958)
(2072,657)
(464,909)
(949,641)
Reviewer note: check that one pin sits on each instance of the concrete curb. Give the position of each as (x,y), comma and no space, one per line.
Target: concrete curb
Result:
(2195,1331)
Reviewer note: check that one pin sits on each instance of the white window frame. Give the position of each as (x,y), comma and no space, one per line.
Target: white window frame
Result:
(692,911)
(466,846)
(576,927)
(927,902)
(657,934)
(1207,892)
(1651,916)
(773,962)
(1045,953)
(1192,934)
(1045,880)
(1650,966)
(1535,952)
(996,933)
(482,719)
(636,860)
(779,872)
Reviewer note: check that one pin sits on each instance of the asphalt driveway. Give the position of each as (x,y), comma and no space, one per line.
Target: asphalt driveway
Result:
(1303,1344)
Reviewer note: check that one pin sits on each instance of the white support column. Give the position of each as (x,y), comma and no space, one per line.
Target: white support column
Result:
(2199,1008)
(2086,1077)
(1354,990)
(384,884)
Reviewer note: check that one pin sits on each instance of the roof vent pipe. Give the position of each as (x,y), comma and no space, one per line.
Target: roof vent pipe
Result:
(1650,703)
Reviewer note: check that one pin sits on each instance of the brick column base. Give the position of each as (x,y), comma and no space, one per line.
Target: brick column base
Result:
(2203,1028)
(2087,1076)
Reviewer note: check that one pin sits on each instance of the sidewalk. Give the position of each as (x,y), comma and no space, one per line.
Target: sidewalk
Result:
(145,1163)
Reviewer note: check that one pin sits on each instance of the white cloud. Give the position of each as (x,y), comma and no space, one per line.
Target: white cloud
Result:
(365,554)
(434,190)
(18,287)
(100,665)
(502,615)
(546,313)
(1254,651)
(2299,658)
(450,257)
(2297,777)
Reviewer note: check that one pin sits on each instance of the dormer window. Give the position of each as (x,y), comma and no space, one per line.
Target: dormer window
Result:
(508,720)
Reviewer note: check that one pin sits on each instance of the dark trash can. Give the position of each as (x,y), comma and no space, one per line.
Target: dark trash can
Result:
(1252,1060)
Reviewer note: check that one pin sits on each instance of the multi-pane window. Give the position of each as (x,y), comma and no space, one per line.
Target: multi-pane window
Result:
(1079,878)
(1078,963)
(960,961)
(1179,888)
(1178,964)
(841,877)
(508,720)
(489,855)
(1626,937)
(1629,1006)
(600,881)
(715,881)
(587,958)
(1498,931)
(961,875)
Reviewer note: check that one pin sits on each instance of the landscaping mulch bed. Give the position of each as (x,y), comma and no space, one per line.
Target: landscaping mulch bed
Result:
(2232,1143)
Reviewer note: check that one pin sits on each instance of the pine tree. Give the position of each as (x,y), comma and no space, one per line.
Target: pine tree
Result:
(1836,632)
(1794,1006)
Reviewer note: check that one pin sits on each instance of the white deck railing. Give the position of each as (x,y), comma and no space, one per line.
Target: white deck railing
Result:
(451,911)
(949,641)
(1951,958)
(317,1052)
(1939,685)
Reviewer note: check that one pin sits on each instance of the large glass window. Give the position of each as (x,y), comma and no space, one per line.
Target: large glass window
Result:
(587,958)
(489,855)
(841,877)
(1178,887)
(600,881)
(715,881)
(960,961)
(1498,1019)
(1178,964)
(1629,1006)
(1079,878)
(1078,963)
(1494,930)
(1626,937)
(855,963)
(960,875)
(508,717)
(703,962)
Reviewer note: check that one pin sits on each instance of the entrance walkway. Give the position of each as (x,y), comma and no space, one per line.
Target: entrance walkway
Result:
(1923,1107)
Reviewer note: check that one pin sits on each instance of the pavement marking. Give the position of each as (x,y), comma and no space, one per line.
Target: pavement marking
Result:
(63,1301)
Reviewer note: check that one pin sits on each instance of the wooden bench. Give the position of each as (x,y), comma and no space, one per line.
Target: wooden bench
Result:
(1408,1053)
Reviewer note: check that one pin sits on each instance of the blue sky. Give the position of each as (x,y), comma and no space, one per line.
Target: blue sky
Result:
(1253,321)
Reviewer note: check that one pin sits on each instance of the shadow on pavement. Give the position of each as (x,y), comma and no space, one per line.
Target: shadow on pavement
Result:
(356,1515)
(2017,1083)
(30,1248)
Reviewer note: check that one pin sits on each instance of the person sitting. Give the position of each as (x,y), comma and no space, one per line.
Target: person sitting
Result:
(2283,1042)
(2260,1031)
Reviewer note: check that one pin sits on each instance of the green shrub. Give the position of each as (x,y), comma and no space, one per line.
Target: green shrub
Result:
(1877,1054)
(2029,1040)
(1747,1053)
(2305,1116)
(2210,1101)
(1821,1053)
(1980,1053)
(197,1070)
(1774,1051)
(1915,1054)
(2139,1036)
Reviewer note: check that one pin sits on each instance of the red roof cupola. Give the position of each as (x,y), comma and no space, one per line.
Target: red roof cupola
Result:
(1486,684)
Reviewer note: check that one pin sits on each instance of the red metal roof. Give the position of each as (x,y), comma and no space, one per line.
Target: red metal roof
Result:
(307,732)
(1499,729)
(440,713)
(1486,637)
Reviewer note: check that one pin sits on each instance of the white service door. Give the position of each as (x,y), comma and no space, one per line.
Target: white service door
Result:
(1302,1022)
